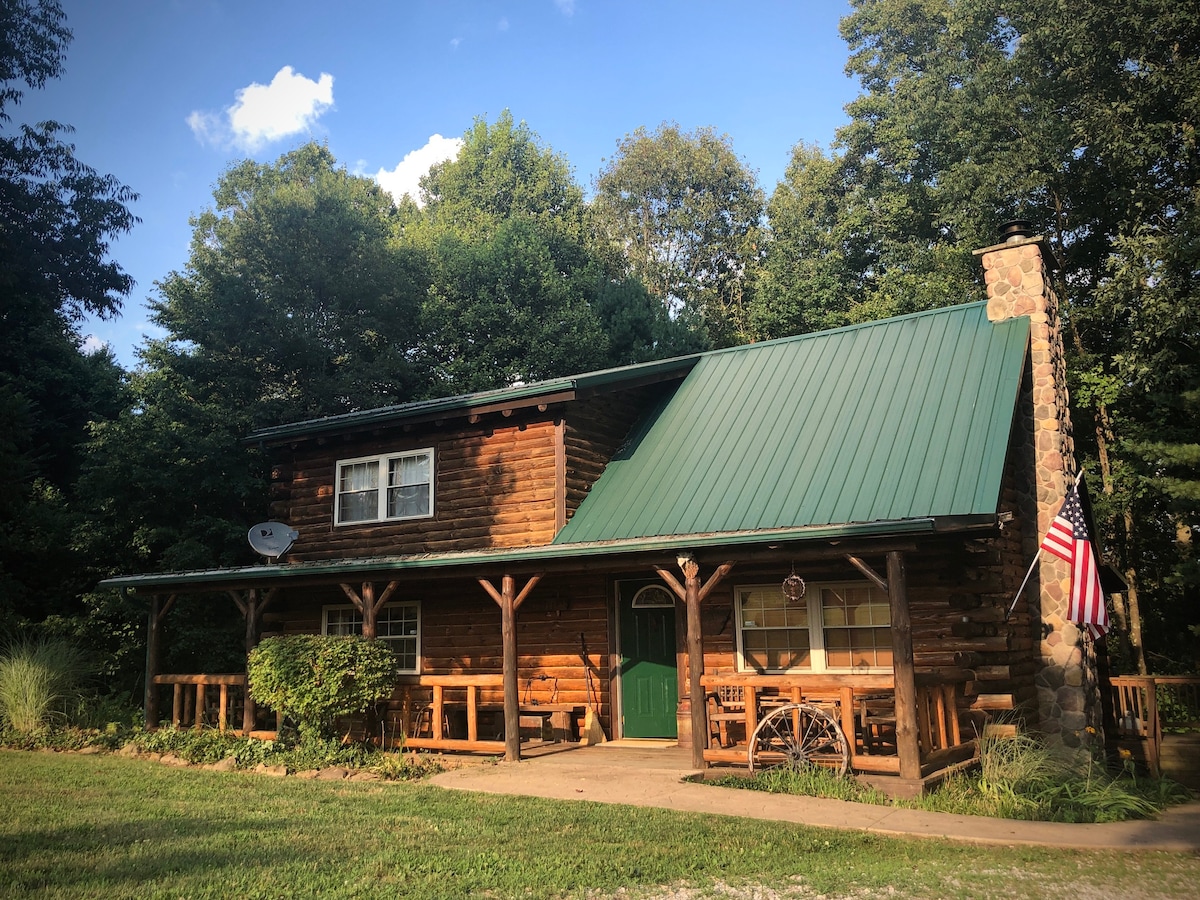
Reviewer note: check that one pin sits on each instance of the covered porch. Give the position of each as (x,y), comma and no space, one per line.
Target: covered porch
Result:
(899,724)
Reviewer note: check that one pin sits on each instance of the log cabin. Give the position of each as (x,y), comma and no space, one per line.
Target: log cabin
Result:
(671,550)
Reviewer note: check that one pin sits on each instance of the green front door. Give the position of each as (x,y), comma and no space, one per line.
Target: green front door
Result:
(649,680)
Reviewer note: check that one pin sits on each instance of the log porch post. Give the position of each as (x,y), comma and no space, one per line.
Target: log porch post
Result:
(153,653)
(367,604)
(902,665)
(908,747)
(252,608)
(692,593)
(509,602)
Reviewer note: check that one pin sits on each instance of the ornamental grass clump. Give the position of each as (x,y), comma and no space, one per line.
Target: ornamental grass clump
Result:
(38,679)
(1020,778)
(314,679)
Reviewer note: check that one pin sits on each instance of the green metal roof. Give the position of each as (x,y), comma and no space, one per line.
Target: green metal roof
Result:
(447,406)
(903,418)
(893,427)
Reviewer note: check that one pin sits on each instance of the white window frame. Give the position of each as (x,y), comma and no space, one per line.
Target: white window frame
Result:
(818,661)
(382,461)
(357,614)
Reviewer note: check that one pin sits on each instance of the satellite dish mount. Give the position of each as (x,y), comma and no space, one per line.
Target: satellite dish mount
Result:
(272,539)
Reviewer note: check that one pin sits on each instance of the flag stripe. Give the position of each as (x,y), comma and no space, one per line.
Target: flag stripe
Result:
(1060,539)
(1068,539)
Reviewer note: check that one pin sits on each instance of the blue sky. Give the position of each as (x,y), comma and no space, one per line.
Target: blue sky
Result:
(167,94)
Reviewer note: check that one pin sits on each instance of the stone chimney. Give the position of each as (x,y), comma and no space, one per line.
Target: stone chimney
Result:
(1018,278)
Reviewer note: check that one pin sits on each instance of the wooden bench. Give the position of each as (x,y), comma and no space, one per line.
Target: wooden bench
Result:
(561,718)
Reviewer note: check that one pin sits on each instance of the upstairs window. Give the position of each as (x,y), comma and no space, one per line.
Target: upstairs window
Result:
(842,627)
(385,488)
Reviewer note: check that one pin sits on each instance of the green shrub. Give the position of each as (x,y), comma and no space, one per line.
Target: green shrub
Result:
(312,751)
(297,754)
(38,680)
(313,679)
(198,746)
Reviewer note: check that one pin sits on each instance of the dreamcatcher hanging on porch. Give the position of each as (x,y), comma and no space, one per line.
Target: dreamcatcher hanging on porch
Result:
(793,586)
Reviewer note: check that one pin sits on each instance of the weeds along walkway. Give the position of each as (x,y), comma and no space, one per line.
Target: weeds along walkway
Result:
(650,775)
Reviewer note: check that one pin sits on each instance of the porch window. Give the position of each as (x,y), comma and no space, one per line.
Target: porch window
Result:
(835,627)
(399,624)
(857,632)
(774,632)
(385,488)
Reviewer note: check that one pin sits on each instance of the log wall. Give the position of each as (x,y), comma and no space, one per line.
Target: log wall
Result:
(595,430)
(504,481)
(460,634)
(494,486)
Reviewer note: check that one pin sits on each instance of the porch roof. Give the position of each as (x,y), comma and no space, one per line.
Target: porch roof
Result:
(898,419)
(536,557)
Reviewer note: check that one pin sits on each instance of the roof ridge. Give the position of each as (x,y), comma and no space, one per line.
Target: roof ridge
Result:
(841,329)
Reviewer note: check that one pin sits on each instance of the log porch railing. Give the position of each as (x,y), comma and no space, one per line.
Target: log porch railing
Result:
(426,712)
(448,712)
(856,701)
(213,698)
(1145,705)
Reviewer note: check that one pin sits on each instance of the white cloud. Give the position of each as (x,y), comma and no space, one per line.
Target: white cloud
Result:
(290,104)
(92,344)
(405,178)
(454,42)
(502,25)
(566,7)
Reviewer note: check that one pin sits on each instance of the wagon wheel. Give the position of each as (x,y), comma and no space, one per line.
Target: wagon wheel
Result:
(799,734)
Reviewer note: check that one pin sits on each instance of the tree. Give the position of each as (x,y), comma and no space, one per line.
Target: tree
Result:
(504,310)
(296,300)
(502,171)
(516,293)
(683,213)
(56,218)
(1080,117)
(808,280)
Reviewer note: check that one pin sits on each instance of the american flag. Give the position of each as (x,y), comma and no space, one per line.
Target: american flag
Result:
(1068,540)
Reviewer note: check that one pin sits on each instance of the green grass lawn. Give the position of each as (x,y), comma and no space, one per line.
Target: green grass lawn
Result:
(103,826)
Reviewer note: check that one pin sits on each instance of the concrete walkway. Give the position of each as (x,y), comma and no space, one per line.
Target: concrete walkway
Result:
(646,774)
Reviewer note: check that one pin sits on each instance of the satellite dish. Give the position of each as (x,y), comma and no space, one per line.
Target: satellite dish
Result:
(272,539)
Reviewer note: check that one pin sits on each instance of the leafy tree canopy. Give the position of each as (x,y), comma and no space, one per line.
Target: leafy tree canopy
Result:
(502,171)
(57,216)
(517,293)
(682,212)
(297,300)
(1077,115)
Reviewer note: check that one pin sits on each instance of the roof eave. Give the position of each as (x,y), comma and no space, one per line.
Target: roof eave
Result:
(557,390)
(217,579)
